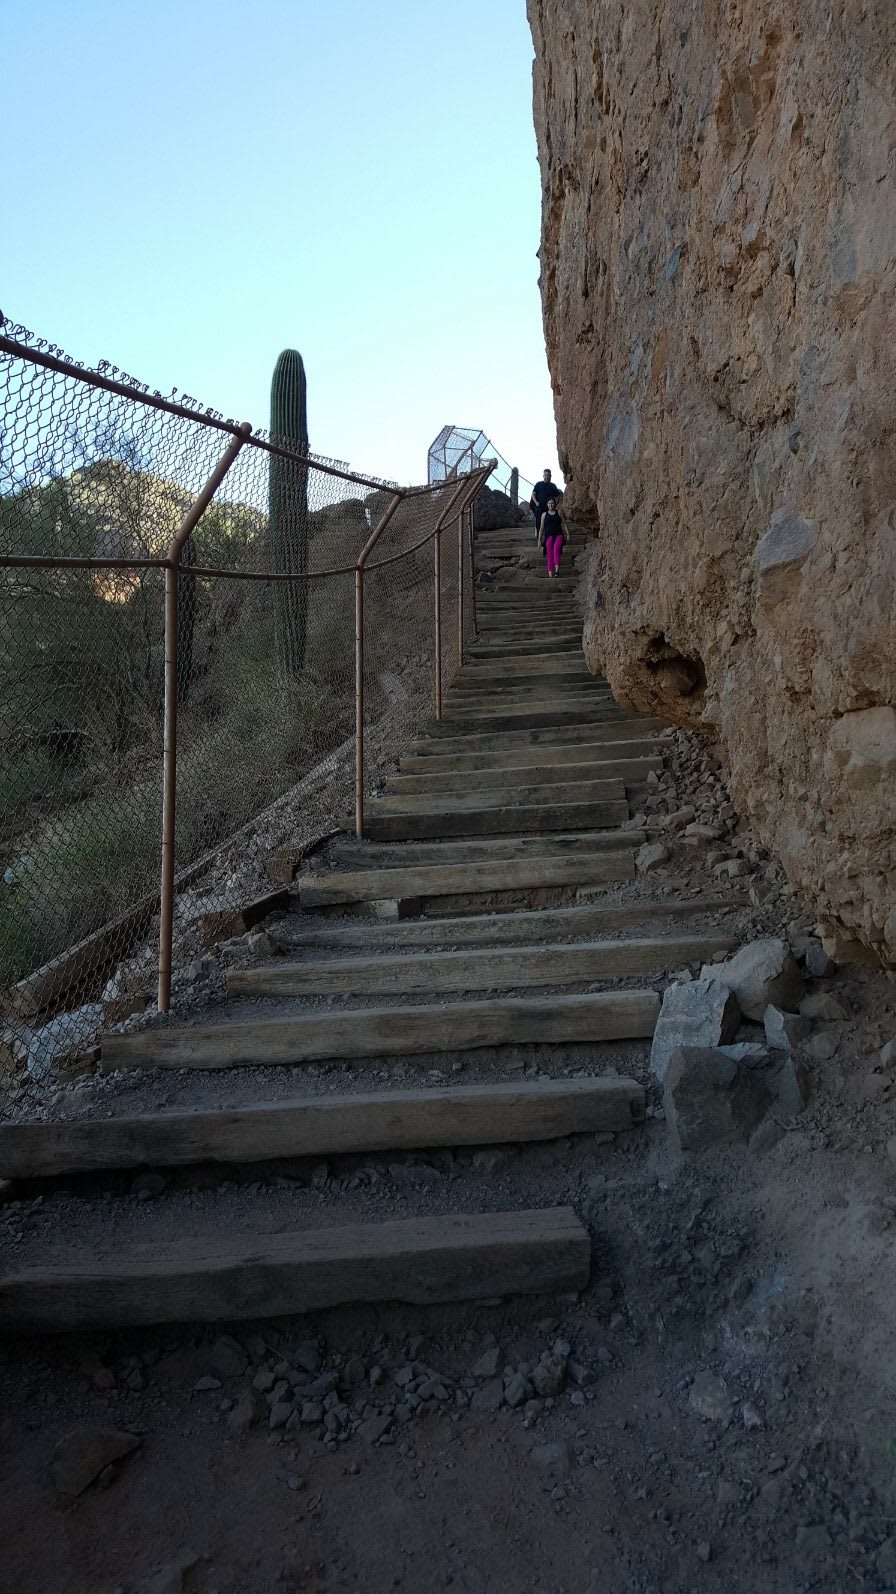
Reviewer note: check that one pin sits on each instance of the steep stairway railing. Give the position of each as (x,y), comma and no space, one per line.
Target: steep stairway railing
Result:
(151,716)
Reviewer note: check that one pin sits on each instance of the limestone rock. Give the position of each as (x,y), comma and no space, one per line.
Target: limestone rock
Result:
(710,1099)
(701,1013)
(717,289)
(552,1458)
(81,1456)
(752,1053)
(821,1005)
(650,856)
(785,1031)
(818,964)
(761,974)
(710,1398)
(780,553)
(793,1088)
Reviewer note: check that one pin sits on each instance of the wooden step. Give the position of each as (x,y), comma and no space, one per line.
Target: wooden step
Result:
(509,968)
(467,690)
(635,749)
(528,718)
(476,793)
(324,1126)
(500,699)
(390,820)
(502,929)
(445,741)
(387,1032)
(525,873)
(352,854)
(530,775)
(233,1277)
(531,648)
(536,669)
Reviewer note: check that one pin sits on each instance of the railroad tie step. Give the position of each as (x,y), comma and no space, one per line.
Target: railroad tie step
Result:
(557,772)
(353,855)
(324,1126)
(529,927)
(235,1276)
(345,1034)
(391,820)
(507,968)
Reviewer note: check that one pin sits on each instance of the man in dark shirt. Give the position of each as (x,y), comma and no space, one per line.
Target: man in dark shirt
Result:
(541,492)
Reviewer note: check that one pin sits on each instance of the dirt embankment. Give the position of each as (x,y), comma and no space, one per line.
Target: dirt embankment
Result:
(718,275)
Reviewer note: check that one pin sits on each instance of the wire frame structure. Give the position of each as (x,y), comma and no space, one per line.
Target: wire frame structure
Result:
(170,696)
(459,449)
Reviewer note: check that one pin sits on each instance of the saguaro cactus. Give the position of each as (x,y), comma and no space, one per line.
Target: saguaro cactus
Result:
(515,488)
(288,511)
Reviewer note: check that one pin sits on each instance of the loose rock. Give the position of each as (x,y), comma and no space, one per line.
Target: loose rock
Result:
(702,1013)
(762,974)
(710,1099)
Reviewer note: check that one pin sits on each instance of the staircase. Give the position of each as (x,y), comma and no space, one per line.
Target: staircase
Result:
(488,923)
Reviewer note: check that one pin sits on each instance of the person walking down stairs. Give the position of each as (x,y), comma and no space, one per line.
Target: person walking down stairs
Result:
(538,503)
(551,536)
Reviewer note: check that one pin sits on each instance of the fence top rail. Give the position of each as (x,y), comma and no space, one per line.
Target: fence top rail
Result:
(62,562)
(130,389)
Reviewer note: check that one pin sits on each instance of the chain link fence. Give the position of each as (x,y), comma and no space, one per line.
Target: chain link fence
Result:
(207,641)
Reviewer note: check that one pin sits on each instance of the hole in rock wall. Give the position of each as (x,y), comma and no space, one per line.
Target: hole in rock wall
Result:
(675,676)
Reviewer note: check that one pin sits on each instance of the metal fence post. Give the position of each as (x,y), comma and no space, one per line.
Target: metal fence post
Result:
(437,575)
(169,740)
(460,589)
(366,551)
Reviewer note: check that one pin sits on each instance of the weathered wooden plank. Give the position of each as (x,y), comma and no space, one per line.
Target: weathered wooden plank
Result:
(324,1126)
(534,718)
(532,667)
(383,825)
(478,793)
(383,1032)
(369,885)
(233,1277)
(552,773)
(354,855)
(588,729)
(468,697)
(643,750)
(531,647)
(505,929)
(509,968)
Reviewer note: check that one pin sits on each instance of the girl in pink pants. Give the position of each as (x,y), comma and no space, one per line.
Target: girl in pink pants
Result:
(550,533)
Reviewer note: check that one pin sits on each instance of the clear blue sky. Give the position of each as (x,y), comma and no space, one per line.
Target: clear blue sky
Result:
(192,186)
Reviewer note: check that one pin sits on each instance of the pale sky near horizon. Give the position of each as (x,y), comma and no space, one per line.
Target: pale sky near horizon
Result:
(194,186)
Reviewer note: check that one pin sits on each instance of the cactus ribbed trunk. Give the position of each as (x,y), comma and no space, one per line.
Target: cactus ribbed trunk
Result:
(515,488)
(288,512)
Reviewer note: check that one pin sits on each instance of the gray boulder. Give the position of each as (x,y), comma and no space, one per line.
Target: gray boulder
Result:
(700,1013)
(710,1099)
(793,1088)
(762,974)
(785,1031)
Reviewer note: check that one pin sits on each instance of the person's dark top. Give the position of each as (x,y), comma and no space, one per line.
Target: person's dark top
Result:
(551,525)
(542,492)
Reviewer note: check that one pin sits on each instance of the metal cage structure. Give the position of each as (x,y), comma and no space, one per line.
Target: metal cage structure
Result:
(457,450)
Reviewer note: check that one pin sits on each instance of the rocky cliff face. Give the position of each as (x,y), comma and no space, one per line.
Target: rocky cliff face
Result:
(719,232)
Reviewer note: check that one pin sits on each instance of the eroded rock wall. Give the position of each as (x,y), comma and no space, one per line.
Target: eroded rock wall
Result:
(719,232)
